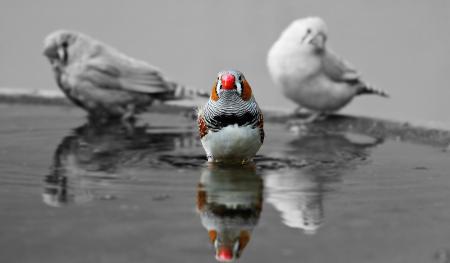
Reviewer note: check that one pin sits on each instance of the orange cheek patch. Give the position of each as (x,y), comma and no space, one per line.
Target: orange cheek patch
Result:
(246,91)
(214,95)
(244,237)
(212,235)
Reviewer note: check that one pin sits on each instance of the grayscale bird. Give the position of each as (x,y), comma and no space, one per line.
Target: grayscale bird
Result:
(231,123)
(311,74)
(105,82)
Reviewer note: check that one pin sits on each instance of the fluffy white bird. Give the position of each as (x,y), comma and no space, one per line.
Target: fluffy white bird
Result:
(105,82)
(231,123)
(309,73)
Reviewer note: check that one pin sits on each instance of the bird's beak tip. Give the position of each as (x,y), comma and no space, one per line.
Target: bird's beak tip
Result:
(46,51)
(318,40)
(50,52)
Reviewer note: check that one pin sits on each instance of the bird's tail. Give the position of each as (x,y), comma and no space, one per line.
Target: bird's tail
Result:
(369,89)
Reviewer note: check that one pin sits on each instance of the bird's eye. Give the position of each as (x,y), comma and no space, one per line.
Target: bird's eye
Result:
(308,31)
(64,44)
(240,78)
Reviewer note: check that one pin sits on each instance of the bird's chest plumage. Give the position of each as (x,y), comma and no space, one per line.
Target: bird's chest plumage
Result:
(290,66)
(299,72)
(231,132)
(232,142)
(230,111)
(68,79)
(62,78)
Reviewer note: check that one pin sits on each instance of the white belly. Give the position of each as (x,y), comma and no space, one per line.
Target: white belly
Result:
(298,72)
(232,143)
(319,93)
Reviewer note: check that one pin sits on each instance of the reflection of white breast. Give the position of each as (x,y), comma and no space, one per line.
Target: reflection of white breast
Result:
(233,197)
(297,198)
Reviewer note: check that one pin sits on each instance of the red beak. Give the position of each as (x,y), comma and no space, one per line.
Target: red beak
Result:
(228,81)
(225,254)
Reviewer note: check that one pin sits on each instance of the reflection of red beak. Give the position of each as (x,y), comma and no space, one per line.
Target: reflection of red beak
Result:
(224,254)
(228,81)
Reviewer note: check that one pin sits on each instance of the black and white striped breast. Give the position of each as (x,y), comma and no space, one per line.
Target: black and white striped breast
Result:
(230,109)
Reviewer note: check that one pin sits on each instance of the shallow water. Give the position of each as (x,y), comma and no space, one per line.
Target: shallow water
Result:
(73,192)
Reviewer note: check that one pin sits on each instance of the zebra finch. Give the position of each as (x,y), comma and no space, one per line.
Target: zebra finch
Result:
(231,123)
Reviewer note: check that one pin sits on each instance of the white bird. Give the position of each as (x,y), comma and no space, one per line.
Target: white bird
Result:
(105,82)
(311,74)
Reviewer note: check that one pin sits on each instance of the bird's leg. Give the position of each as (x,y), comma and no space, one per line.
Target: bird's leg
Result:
(317,116)
(129,113)
(128,120)
(311,118)
(300,111)
(129,126)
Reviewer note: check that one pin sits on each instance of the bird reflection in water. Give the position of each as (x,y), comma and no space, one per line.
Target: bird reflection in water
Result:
(92,156)
(298,194)
(229,202)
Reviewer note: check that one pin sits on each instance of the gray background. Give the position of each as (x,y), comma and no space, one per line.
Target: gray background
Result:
(400,46)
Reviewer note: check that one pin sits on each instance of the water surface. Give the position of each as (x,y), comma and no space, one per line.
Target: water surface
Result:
(75,192)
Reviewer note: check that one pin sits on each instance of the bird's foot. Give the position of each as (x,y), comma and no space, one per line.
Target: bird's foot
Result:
(319,116)
(129,113)
(301,112)
(303,121)
(129,124)
(300,125)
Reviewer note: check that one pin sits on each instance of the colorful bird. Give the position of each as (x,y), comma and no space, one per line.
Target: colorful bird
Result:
(231,123)
(105,82)
(309,73)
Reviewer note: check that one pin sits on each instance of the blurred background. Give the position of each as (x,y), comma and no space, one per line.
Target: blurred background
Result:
(399,46)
